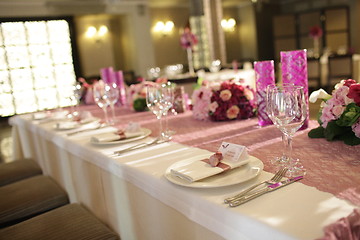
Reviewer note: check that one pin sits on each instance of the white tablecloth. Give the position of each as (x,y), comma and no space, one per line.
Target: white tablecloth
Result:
(131,194)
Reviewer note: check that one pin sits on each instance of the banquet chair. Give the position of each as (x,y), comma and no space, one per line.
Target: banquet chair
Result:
(29,197)
(70,222)
(18,170)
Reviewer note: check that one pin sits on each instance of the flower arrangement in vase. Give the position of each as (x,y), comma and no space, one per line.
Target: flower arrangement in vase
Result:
(187,41)
(316,33)
(339,115)
(228,101)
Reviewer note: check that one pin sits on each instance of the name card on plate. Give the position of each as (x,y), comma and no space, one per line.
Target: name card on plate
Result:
(233,152)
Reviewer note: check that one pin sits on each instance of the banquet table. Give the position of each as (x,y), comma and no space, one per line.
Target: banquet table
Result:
(131,194)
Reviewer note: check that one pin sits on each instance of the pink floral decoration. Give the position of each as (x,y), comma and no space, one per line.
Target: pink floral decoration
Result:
(344,228)
(201,103)
(315,32)
(354,93)
(188,39)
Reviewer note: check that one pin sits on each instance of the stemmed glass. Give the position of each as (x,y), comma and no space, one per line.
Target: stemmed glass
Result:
(168,88)
(286,108)
(77,91)
(112,96)
(158,100)
(100,98)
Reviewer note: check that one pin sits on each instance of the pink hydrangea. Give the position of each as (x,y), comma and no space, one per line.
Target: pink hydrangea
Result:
(201,101)
(356,128)
(327,115)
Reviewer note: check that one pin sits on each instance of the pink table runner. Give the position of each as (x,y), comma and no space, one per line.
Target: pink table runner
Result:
(331,166)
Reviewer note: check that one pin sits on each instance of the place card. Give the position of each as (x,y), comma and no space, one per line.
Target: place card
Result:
(233,152)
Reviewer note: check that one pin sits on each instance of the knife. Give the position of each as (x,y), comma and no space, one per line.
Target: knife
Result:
(267,189)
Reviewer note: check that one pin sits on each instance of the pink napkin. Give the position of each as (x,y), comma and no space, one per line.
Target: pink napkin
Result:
(345,228)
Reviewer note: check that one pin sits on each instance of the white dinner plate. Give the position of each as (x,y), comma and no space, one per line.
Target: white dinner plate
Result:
(228,178)
(146,132)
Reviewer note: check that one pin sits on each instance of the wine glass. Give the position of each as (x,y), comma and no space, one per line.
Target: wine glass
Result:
(158,100)
(101,98)
(286,108)
(112,96)
(77,91)
(168,89)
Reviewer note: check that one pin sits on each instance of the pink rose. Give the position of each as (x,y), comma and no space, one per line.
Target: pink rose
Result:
(349,82)
(248,94)
(232,112)
(225,95)
(213,106)
(354,93)
(338,110)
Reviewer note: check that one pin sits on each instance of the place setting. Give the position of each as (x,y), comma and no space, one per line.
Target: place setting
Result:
(231,164)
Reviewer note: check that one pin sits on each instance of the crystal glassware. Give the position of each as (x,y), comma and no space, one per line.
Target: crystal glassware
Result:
(112,96)
(77,90)
(169,93)
(158,100)
(100,98)
(286,107)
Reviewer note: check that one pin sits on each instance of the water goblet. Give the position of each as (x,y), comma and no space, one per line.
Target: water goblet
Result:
(100,98)
(77,91)
(112,96)
(168,90)
(158,100)
(286,107)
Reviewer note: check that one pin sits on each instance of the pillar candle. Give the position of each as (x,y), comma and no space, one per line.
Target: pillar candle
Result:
(264,76)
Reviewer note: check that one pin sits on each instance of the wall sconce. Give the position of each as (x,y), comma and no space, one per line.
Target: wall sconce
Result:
(164,28)
(97,34)
(228,25)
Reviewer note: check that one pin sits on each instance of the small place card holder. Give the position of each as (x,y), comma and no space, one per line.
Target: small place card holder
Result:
(233,152)
(294,71)
(264,76)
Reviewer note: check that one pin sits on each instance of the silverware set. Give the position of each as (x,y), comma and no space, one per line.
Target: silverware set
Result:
(270,185)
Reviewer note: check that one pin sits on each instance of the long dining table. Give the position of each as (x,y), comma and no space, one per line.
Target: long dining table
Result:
(132,194)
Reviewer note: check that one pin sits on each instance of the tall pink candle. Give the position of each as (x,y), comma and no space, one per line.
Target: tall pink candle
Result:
(294,71)
(264,76)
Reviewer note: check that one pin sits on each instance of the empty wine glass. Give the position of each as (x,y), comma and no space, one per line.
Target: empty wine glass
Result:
(112,96)
(168,89)
(100,98)
(286,108)
(77,91)
(158,100)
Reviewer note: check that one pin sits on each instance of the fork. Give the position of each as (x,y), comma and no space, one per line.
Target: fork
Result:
(275,179)
(140,145)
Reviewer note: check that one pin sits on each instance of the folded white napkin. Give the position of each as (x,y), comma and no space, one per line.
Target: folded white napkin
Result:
(66,125)
(113,136)
(200,169)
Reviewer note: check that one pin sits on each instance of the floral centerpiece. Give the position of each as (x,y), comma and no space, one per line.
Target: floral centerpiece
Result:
(339,115)
(187,41)
(228,101)
(316,33)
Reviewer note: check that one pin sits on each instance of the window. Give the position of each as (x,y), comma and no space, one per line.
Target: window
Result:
(36,66)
